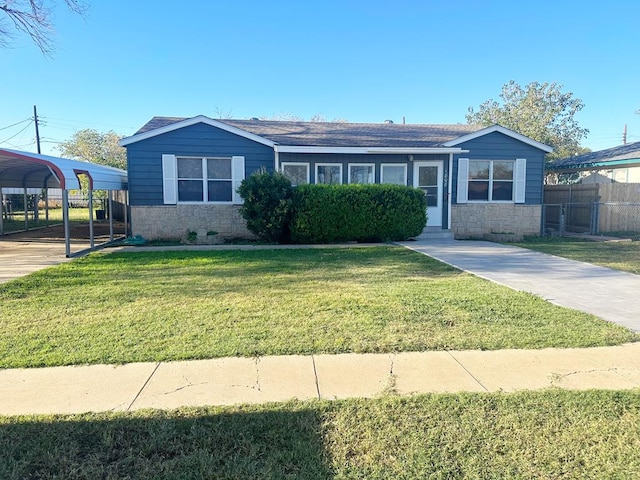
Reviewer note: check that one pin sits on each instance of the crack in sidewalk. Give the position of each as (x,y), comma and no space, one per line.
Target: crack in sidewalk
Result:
(143,386)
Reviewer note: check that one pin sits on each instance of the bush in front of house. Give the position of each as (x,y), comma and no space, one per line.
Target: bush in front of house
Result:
(361,213)
(267,205)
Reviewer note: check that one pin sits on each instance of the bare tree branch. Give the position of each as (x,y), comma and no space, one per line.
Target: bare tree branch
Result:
(33,18)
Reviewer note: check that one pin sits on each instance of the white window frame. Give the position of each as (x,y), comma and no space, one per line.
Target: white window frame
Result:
(296,164)
(371,165)
(518,181)
(328,165)
(170,179)
(403,165)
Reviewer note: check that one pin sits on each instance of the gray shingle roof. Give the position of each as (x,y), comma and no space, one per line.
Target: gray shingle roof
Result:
(630,151)
(324,134)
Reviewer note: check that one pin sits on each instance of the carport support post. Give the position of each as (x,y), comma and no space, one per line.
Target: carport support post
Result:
(110,207)
(91,217)
(65,218)
(26,210)
(1,212)
(46,206)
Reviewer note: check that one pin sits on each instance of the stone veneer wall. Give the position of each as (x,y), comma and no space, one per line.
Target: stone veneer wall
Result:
(176,221)
(495,221)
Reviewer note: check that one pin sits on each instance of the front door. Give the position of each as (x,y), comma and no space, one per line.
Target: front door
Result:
(428,177)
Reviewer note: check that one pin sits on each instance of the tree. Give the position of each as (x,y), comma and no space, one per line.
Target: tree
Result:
(540,111)
(93,146)
(33,17)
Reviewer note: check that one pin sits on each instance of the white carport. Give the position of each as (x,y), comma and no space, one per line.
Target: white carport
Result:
(26,170)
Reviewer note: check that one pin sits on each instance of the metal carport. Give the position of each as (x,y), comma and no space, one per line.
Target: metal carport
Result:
(26,170)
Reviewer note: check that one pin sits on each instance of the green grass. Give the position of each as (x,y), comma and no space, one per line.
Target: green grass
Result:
(623,256)
(158,306)
(546,434)
(16,223)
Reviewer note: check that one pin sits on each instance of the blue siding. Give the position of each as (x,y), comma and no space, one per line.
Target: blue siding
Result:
(497,146)
(144,158)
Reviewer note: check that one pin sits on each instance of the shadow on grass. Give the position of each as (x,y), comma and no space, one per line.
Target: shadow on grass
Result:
(284,442)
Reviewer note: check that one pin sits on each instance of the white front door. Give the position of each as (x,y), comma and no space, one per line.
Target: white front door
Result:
(428,177)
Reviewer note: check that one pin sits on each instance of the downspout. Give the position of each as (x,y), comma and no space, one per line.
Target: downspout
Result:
(276,157)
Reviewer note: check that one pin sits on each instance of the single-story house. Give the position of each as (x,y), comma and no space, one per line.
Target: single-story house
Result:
(614,165)
(479,181)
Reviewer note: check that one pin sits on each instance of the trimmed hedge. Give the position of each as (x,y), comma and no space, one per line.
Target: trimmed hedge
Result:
(267,205)
(361,213)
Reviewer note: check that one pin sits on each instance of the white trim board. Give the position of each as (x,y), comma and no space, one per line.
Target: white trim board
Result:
(504,131)
(193,121)
(366,150)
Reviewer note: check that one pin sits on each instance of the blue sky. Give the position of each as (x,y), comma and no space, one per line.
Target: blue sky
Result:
(364,61)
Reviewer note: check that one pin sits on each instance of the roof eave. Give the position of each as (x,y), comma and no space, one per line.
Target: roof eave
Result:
(366,150)
(193,121)
(504,131)
(575,167)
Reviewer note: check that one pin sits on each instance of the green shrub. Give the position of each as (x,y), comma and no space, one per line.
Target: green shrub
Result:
(362,213)
(267,205)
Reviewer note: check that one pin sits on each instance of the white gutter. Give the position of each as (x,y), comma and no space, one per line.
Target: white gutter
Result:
(368,150)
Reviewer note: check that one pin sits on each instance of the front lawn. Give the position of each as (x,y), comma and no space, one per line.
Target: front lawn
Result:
(617,255)
(546,434)
(158,306)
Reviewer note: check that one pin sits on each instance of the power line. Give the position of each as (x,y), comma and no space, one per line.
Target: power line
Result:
(17,123)
(13,136)
(74,123)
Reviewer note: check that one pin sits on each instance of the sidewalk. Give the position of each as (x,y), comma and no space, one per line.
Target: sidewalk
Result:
(606,293)
(229,381)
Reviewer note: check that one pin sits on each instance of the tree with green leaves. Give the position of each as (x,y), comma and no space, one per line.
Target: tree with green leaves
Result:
(33,18)
(96,147)
(541,111)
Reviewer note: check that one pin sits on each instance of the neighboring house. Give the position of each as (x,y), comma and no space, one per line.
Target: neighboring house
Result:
(613,165)
(184,172)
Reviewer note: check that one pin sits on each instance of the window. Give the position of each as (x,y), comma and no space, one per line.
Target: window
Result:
(298,173)
(361,173)
(329,173)
(393,173)
(491,180)
(205,179)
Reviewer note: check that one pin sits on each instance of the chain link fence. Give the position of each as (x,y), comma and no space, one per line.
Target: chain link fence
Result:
(616,219)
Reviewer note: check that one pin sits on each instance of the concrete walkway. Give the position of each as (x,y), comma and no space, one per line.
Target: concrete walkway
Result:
(229,381)
(606,293)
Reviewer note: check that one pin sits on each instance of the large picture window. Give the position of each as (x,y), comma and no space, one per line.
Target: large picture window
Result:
(491,180)
(204,179)
(361,173)
(298,173)
(329,173)
(393,173)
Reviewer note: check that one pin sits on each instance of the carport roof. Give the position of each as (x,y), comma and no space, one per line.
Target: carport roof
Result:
(32,170)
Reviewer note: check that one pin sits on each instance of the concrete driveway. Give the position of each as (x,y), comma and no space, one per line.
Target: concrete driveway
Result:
(609,294)
(19,257)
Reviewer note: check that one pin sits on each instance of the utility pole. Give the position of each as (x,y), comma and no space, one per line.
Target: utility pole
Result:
(35,119)
(624,135)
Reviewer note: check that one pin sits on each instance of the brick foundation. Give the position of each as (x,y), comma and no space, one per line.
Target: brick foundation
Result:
(176,221)
(495,221)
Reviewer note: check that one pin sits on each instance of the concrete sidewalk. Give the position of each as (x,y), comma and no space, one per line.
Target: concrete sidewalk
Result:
(606,293)
(229,381)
